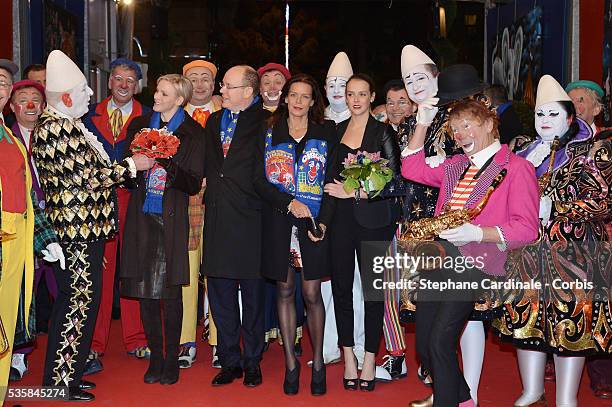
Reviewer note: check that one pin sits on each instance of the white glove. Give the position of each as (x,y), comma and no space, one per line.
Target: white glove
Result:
(427,111)
(435,160)
(54,253)
(545,209)
(463,234)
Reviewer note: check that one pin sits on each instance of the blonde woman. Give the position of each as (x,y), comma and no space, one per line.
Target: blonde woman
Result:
(155,261)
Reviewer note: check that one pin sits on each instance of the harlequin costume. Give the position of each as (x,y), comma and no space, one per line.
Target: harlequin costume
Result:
(77,177)
(113,138)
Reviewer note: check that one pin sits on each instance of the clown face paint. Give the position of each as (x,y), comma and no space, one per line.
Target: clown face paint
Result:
(6,86)
(79,97)
(122,84)
(551,120)
(471,135)
(270,87)
(420,84)
(335,87)
(27,103)
(203,83)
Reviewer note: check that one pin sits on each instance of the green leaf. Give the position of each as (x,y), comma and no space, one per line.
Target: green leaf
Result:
(350,185)
(351,172)
(378,181)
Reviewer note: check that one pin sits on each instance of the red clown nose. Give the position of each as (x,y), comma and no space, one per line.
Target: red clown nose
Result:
(30,105)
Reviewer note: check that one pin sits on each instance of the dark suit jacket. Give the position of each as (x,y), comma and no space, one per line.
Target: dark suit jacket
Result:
(277,223)
(374,213)
(184,178)
(509,123)
(232,221)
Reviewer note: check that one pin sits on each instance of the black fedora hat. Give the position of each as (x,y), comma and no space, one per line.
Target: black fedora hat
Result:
(457,82)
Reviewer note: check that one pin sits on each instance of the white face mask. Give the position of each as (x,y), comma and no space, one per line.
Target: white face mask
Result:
(551,121)
(335,88)
(80,101)
(420,84)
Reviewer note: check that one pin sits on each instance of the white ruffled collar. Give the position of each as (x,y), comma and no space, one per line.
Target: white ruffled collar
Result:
(539,153)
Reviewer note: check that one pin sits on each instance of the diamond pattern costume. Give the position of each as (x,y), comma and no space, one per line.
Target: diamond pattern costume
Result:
(77,178)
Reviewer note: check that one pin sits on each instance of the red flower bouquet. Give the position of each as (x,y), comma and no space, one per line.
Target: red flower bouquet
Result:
(155,143)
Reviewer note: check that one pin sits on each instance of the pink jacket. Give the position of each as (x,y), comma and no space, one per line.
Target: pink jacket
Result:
(513,207)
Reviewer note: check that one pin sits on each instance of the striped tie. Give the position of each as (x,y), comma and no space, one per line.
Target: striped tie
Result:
(116,121)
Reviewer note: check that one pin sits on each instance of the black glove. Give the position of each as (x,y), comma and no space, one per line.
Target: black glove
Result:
(164,162)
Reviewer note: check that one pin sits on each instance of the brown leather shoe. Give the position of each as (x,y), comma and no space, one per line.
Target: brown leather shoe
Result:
(541,402)
(426,402)
(603,393)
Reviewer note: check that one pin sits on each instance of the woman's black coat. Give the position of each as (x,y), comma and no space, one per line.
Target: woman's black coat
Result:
(184,178)
(277,223)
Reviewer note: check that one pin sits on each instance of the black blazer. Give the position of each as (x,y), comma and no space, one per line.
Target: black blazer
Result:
(232,220)
(374,213)
(277,223)
(184,178)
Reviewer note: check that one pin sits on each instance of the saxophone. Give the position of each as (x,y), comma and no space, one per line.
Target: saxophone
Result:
(429,228)
(544,180)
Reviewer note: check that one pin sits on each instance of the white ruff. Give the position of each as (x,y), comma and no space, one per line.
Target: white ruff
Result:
(539,154)
(93,142)
(337,117)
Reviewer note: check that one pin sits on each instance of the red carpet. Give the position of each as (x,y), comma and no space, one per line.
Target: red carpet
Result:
(121,384)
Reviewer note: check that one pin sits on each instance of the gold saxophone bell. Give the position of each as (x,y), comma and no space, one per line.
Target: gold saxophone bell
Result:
(418,236)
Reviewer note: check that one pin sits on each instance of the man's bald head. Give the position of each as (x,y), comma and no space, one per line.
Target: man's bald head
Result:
(240,86)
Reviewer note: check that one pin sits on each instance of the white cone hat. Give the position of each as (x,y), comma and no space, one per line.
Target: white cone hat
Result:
(549,90)
(340,66)
(411,57)
(62,73)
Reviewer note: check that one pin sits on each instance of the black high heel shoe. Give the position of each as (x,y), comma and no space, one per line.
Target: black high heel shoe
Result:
(318,383)
(351,384)
(291,386)
(367,385)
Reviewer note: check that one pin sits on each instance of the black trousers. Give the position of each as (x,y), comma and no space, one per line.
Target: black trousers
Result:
(151,316)
(346,237)
(73,318)
(440,318)
(223,298)
(600,372)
